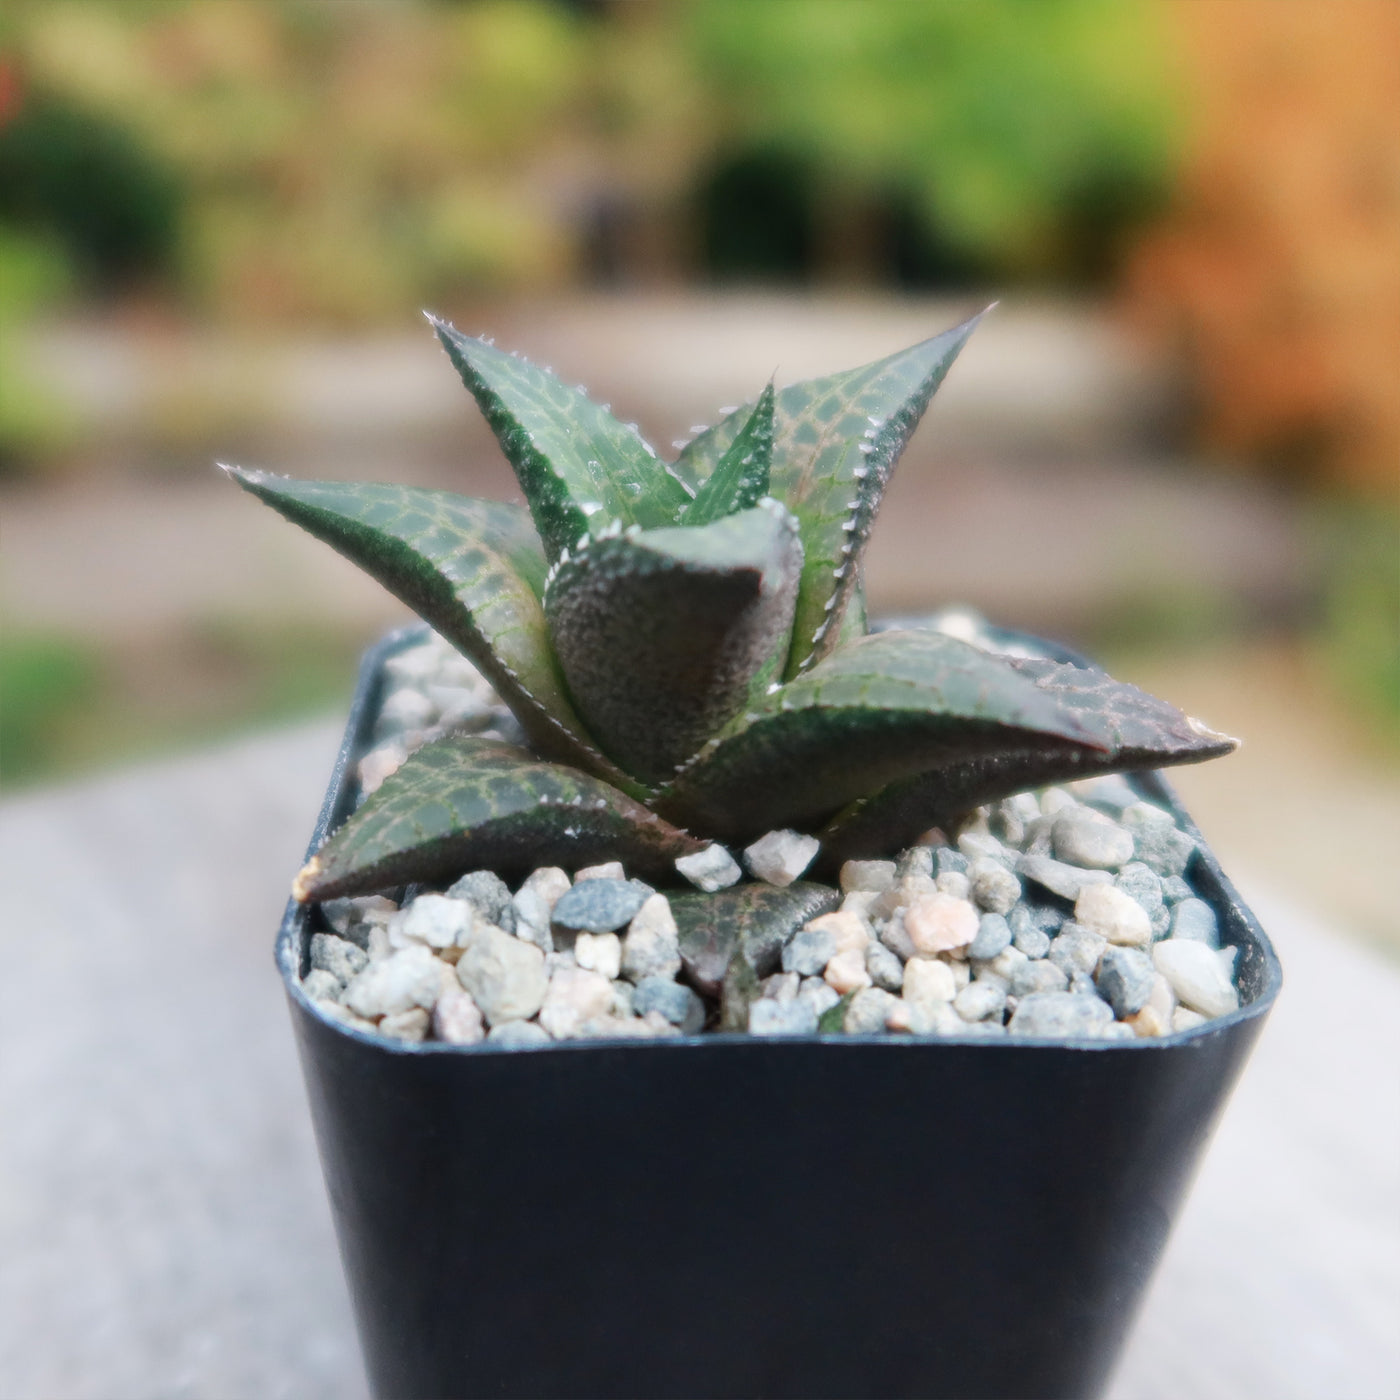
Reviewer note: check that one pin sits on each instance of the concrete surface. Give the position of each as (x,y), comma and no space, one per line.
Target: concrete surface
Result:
(163,1227)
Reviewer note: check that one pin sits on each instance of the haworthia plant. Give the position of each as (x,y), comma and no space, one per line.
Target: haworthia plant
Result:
(685,647)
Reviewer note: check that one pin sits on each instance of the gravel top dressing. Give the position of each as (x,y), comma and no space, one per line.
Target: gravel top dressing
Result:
(1065,913)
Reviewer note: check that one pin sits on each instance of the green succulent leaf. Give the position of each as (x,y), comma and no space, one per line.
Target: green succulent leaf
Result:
(740,478)
(739,992)
(835,444)
(663,634)
(832,1021)
(472,569)
(755,920)
(580,469)
(879,709)
(467,803)
(1135,730)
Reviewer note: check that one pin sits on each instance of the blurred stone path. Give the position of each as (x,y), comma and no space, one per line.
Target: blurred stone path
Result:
(163,1227)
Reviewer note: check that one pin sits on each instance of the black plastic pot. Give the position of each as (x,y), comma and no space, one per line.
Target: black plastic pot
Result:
(734,1216)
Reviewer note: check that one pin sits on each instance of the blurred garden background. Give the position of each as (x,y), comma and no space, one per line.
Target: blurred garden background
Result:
(1176,443)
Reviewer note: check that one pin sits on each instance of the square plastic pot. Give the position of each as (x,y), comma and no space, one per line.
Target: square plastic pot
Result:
(723,1215)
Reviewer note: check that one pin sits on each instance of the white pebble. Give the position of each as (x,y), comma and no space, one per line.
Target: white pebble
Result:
(937,922)
(781,856)
(457,1018)
(534,904)
(1197,976)
(406,1025)
(849,930)
(398,983)
(382,761)
(846,971)
(599,952)
(953,882)
(433,920)
(505,975)
(1184,1019)
(867,876)
(711,869)
(609,870)
(994,887)
(651,947)
(1114,915)
(575,995)
(928,979)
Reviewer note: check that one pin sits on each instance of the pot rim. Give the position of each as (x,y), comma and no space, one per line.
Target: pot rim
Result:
(1149,782)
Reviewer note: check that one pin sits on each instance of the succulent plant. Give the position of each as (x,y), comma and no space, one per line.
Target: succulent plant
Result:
(686,649)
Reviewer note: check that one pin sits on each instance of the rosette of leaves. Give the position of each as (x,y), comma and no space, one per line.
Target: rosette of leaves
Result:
(685,645)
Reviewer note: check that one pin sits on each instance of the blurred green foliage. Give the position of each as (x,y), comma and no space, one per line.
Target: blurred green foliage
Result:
(336,162)
(44,681)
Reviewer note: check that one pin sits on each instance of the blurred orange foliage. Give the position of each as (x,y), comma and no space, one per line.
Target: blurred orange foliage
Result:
(1278,271)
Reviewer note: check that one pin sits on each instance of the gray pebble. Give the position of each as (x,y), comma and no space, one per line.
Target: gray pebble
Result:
(1075,949)
(781,986)
(1175,889)
(1145,885)
(917,860)
(1112,792)
(896,938)
(1195,919)
(1090,839)
(675,1001)
(1033,942)
(993,934)
(795,1017)
(510,1033)
(600,906)
(865,1015)
(977,845)
(947,861)
(884,967)
(1125,980)
(487,893)
(1039,836)
(321,985)
(1007,824)
(979,1000)
(338,956)
(1057,877)
(1059,1014)
(818,995)
(809,950)
(1082,984)
(994,887)
(1034,977)
(1160,844)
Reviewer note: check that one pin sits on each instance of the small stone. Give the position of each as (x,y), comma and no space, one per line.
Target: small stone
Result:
(1087,838)
(675,1001)
(867,1011)
(961,970)
(1118,917)
(1195,919)
(1033,942)
(1076,949)
(377,946)
(401,981)
(859,903)
(599,952)
(927,979)
(994,887)
(1145,885)
(917,860)
(459,708)
(352,918)
(1059,1015)
(1054,800)
(781,856)
(1064,880)
(1161,998)
(457,1018)
(782,986)
(623,994)
(404,708)
(320,985)
(1039,836)
(534,905)
(711,869)
(1125,980)
(333,1011)
(600,905)
(1184,1019)
(873,876)
(884,967)
(849,930)
(796,1017)
(955,883)
(809,950)
(896,938)
(435,921)
(977,846)
(1160,843)
(1228,956)
(846,971)
(937,922)
(1196,975)
(608,870)
(1147,1024)
(1175,889)
(979,1000)
(993,934)
(406,1025)
(489,895)
(822,997)
(1082,984)
(1046,917)
(1008,825)
(652,946)
(382,761)
(517,1033)
(1007,963)
(934,1018)
(575,995)
(904,893)
(337,956)
(1112,792)
(1037,977)
(504,975)
(947,861)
